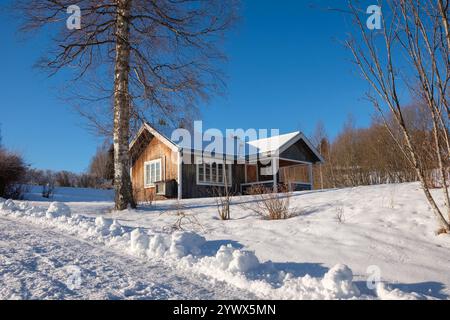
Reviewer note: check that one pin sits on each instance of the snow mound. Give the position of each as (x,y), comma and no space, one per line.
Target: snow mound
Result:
(234,260)
(103,225)
(139,241)
(158,246)
(339,281)
(184,243)
(58,209)
(115,229)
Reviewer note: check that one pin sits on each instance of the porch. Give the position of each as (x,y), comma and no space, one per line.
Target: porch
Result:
(273,172)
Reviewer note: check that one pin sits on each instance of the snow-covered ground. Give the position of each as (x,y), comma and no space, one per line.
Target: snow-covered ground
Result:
(387,230)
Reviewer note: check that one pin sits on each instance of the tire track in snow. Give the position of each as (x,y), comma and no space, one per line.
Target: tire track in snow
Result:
(34,264)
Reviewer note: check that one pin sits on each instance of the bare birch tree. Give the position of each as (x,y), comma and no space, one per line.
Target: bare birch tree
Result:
(150,59)
(410,51)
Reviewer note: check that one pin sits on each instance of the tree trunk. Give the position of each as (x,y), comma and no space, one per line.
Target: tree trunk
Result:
(122,181)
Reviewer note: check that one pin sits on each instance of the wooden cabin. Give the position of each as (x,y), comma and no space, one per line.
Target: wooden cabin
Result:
(163,169)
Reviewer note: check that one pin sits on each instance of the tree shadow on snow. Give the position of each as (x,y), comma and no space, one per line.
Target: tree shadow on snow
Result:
(210,248)
(429,288)
(315,270)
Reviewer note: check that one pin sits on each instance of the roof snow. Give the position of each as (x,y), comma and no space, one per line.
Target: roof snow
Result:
(273,143)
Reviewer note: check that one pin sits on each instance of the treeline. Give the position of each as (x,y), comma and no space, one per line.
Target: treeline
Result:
(99,174)
(368,156)
(16,174)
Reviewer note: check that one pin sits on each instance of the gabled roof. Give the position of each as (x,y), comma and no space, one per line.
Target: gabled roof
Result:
(278,144)
(158,135)
(275,144)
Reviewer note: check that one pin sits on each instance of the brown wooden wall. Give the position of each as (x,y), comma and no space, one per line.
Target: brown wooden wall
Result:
(298,173)
(154,150)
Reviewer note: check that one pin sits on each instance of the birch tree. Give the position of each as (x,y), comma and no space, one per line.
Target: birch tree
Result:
(150,59)
(410,52)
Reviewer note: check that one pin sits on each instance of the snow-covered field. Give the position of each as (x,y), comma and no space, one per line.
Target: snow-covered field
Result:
(385,230)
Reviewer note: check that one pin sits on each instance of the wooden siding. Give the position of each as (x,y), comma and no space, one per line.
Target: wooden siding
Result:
(154,150)
(297,173)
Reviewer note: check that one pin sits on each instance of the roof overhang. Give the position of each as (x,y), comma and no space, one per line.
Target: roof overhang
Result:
(155,133)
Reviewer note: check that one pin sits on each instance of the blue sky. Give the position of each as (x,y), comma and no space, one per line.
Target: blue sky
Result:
(286,70)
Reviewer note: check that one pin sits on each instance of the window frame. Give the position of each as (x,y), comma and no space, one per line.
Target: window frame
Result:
(149,164)
(208,163)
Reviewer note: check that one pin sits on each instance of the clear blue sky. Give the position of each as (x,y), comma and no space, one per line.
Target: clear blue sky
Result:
(286,70)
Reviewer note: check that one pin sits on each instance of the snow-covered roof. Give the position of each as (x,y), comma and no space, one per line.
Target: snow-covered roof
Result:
(273,143)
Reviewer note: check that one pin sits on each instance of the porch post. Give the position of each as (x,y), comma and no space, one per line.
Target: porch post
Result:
(275,172)
(311,178)
(180,175)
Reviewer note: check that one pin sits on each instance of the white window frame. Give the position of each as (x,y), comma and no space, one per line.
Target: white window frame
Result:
(149,163)
(208,162)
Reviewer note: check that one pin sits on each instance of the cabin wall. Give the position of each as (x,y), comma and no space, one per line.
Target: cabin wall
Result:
(189,179)
(154,150)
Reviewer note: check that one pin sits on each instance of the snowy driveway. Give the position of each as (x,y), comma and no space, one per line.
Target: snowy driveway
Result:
(39,263)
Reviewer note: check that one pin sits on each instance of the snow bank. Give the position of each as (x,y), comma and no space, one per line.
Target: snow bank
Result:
(184,250)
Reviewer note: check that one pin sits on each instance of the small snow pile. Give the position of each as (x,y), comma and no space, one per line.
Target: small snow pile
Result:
(8,205)
(115,229)
(339,281)
(184,243)
(57,209)
(103,225)
(158,246)
(139,241)
(234,260)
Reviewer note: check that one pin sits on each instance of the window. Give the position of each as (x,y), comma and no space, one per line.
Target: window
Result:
(152,173)
(212,172)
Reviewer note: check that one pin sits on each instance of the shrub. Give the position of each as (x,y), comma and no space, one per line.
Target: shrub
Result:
(270,204)
(223,197)
(12,173)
